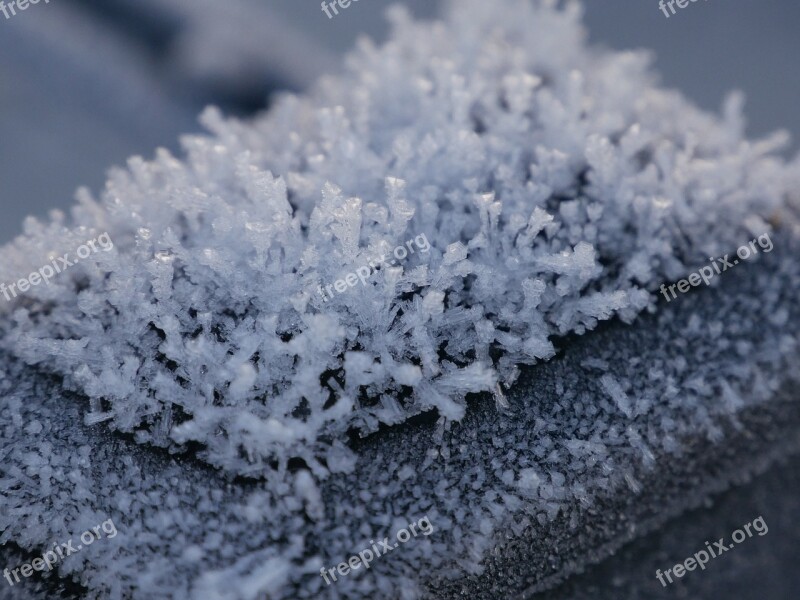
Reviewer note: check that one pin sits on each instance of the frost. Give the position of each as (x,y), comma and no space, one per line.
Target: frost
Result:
(558,188)
(618,395)
(529,480)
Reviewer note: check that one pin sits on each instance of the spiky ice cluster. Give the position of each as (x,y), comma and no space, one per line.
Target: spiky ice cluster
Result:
(558,186)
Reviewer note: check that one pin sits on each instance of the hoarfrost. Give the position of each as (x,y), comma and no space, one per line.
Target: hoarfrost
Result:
(557,185)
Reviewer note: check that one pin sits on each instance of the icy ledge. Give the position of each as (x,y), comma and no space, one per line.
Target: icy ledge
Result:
(519,498)
(555,186)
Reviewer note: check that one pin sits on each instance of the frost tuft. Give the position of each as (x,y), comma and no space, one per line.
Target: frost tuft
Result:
(558,188)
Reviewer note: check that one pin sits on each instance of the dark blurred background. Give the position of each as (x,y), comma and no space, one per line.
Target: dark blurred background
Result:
(84,84)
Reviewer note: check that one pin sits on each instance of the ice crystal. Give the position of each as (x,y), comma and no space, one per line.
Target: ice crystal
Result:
(557,184)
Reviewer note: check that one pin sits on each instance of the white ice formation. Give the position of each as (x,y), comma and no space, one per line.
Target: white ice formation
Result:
(557,184)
